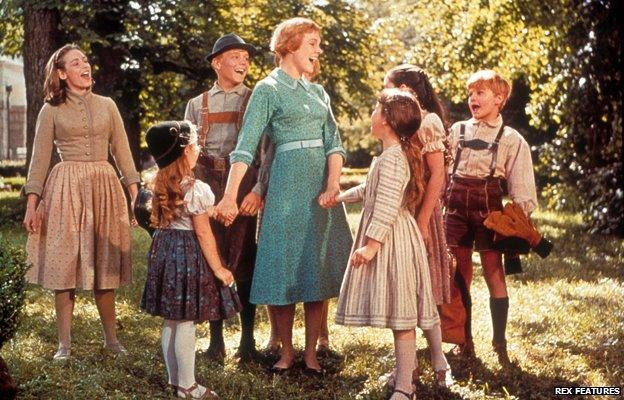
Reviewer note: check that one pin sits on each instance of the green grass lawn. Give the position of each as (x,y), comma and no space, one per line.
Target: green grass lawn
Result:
(566,327)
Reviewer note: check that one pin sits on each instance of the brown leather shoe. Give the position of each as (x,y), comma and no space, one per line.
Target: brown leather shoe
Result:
(500,348)
(465,350)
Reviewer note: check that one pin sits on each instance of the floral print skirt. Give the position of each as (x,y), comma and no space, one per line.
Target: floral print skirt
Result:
(180,285)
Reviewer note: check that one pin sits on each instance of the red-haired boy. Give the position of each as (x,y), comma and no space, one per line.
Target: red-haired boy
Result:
(489,156)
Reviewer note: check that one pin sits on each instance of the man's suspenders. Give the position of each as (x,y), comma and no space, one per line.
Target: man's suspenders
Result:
(226,117)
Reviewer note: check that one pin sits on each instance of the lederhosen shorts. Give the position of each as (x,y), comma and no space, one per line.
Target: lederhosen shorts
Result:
(468,203)
(470,200)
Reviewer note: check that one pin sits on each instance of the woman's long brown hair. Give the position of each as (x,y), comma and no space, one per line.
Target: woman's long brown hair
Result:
(54,88)
(400,109)
(168,200)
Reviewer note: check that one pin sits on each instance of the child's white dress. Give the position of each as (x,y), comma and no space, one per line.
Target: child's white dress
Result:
(394,289)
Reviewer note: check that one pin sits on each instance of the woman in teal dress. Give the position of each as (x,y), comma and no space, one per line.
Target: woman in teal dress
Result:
(304,244)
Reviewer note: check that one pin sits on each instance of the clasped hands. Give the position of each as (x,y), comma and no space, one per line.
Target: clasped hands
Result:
(227,209)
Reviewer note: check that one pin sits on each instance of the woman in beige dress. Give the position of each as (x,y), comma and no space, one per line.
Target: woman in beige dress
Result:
(78,224)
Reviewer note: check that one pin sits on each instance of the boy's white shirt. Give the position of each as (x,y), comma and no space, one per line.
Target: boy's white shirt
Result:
(513,161)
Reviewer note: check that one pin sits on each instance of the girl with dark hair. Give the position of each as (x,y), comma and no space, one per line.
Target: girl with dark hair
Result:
(431,139)
(387,283)
(78,225)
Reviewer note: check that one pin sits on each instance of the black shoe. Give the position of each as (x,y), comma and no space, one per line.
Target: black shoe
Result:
(216,353)
(500,348)
(314,372)
(280,370)
(247,355)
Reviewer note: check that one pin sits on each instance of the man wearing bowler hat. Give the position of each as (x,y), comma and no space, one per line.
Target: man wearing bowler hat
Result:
(218,114)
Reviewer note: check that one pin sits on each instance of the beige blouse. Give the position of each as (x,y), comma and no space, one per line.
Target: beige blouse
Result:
(431,133)
(513,160)
(83,128)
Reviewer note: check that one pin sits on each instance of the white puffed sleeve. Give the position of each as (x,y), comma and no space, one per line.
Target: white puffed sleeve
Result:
(199,198)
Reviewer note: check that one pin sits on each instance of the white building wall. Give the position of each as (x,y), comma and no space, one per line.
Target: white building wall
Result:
(12,143)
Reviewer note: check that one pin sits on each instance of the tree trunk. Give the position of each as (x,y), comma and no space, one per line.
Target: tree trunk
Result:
(41,38)
(111,80)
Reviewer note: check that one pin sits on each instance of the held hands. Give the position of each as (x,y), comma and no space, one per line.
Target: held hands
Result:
(226,211)
(365,254)
(329,198)
(252,203)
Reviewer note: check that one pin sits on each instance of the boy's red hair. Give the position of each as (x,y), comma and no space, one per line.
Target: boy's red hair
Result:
(492,80)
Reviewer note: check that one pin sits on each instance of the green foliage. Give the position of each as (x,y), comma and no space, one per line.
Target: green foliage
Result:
(12,168)
(566,99)
(12,208)
(586,155)
(149,56)
(13,268)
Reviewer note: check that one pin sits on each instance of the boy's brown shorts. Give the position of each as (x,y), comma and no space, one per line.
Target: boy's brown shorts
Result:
(468,203)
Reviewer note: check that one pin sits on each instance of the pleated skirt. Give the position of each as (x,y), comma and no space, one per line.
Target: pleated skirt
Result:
(180,285)
(84,241)
(394,289)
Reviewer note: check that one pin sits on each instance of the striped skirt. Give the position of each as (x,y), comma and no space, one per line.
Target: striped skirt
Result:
(84,241)
(394,289)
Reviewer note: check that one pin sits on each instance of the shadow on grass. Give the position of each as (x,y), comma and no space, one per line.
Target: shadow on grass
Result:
(577,256)
(512,380)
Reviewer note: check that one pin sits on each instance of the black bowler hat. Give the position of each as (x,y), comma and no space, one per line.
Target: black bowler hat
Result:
(228,42)
(166,141)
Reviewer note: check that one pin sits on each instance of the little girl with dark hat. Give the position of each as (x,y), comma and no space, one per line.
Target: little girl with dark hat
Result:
(186,280)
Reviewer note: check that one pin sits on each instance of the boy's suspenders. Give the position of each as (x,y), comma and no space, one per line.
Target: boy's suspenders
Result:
(477,144)
(462,142)
(225,117)
(494,149)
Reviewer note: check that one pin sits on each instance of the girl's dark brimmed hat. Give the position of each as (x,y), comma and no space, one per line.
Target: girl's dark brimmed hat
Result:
(228,42)
(166,141)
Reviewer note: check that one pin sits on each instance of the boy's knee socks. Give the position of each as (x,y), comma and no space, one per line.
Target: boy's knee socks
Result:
(499,308)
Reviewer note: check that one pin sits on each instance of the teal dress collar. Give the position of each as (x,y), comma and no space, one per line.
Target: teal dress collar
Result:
(282,77)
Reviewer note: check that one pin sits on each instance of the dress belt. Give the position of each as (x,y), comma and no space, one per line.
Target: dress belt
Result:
(299,144)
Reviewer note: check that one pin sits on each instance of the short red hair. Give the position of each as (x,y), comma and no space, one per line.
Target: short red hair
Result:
(490,79)
(288,35)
